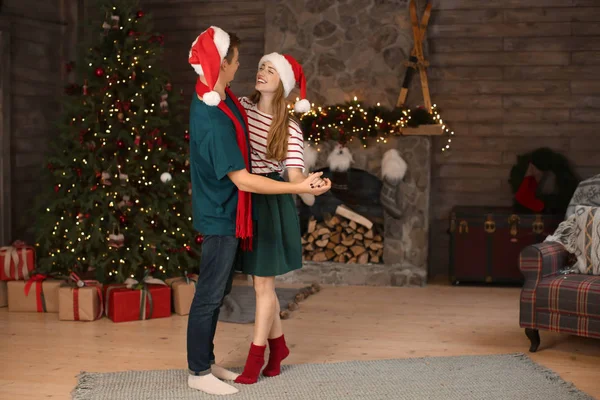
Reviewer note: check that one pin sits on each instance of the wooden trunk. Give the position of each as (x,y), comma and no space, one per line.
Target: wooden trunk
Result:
(485,242)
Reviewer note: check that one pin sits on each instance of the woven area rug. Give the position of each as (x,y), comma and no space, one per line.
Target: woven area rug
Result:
(511,376)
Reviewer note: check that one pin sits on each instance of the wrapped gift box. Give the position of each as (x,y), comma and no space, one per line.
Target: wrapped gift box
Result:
(3,294)
(80,303)
(16,262)
(34,295)
(125,304)
(183,292)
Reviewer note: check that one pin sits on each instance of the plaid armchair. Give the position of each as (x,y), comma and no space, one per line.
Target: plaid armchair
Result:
(554,301)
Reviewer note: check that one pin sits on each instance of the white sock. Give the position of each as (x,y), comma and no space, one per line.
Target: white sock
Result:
(223,373)
(211,385)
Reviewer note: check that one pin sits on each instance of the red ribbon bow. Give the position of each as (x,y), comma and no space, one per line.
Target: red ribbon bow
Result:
(83,283)
(39,295)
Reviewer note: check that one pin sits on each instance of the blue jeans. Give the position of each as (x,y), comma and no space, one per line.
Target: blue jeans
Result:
(214,283)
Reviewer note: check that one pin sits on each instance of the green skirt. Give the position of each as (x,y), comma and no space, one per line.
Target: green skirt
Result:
(277,247)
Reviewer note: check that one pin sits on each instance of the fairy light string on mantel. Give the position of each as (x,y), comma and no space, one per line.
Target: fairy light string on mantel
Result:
(347,122)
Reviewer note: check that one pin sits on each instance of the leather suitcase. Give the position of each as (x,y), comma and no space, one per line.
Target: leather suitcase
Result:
(485,242)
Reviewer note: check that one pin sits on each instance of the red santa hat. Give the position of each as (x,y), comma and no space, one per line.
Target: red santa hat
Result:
(290,72)
(206,55)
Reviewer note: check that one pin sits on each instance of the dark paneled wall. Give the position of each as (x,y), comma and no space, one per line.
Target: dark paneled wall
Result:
(510,76)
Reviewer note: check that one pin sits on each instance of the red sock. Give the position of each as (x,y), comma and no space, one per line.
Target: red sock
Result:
(278,352)
(254,362)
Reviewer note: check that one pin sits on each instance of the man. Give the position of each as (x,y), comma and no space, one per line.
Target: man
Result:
(221,187)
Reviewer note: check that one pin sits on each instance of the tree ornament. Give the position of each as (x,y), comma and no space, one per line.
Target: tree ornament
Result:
(124,178)
(106,27)
(120,115)
(120,143)
(133,76)
(140,14)
(56,188)
(166,177)
(106,179)
(115,21)
(131,32)
(186,137)
(122,219)
(116,239)
(164,105)
(137,140)
(199,239)
(99,72)
(85,88)
(126,202)
(169,86)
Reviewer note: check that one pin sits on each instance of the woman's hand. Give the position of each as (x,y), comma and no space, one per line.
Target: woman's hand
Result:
(314,184)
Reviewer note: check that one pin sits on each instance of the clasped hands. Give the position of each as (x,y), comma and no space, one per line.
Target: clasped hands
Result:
(315,185)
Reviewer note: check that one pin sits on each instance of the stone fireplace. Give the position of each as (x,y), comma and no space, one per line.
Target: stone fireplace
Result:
(357,48)
(405,237)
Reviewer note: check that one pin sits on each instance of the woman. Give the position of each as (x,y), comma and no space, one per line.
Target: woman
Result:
(277,146)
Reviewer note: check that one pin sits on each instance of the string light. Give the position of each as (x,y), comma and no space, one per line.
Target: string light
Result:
(353,118)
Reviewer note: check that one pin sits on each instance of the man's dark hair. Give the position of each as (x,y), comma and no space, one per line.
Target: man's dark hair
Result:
(234,43)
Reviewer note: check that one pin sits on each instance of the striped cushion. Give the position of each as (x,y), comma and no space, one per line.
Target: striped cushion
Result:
(578,295)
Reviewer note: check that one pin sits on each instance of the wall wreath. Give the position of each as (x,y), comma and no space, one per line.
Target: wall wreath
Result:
(542,181)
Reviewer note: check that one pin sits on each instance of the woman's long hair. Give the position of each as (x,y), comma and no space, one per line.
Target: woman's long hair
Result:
(277,140)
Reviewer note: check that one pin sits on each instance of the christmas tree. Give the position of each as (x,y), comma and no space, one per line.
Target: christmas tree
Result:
(119,197)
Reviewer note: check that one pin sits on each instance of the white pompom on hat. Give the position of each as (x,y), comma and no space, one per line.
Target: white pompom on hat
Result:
(206,55)
(291,73)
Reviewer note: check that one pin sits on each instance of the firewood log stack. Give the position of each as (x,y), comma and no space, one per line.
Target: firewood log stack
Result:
(342,240)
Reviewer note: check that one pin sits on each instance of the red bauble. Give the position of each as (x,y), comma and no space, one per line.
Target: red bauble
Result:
(131,33)
(56,188)
(99,72)
(169,87)
(120,143)
(199,239)
(94,188)
(122,219)
(187,137)
(140,14)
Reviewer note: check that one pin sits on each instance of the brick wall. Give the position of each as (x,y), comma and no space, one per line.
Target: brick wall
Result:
(510,76)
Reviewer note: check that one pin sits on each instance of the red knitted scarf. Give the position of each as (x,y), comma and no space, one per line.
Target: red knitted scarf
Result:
(243,226)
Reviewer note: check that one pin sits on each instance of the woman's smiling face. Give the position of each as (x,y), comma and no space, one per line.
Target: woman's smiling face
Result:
(267,78)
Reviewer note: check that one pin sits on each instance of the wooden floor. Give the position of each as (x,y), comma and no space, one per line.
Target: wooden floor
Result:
(40,356)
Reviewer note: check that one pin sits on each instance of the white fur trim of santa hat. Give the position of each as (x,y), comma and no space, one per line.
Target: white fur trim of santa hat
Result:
(221,40)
